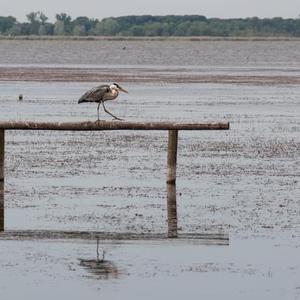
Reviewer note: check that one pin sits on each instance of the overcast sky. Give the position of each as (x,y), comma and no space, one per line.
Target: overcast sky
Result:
(101,9)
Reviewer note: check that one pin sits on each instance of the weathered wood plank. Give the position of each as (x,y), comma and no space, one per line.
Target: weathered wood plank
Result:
(1,206)
(171,183)
(201,238)
(2,142)
(111,125)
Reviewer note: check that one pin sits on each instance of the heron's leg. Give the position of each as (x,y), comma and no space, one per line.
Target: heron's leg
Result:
(98,110)
(109,112)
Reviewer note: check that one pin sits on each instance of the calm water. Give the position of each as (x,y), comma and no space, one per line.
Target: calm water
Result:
(210,54)
(244,182)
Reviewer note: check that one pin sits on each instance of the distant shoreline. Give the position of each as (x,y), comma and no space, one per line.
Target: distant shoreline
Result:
(146,38)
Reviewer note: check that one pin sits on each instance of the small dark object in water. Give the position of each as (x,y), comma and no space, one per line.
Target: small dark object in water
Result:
(20,97)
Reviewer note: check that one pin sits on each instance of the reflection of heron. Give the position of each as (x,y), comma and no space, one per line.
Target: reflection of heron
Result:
(102,93)
(103,269)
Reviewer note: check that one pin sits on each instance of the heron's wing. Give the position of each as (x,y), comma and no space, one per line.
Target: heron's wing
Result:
(95,94)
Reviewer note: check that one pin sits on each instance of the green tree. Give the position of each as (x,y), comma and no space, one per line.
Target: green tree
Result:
(43,18)
(107,27)
(42,30)
(79,30)
(147,25)
(49,28)
(99,28)
(67,22)
(182,28)
(36,19)
(6,23)
(137,30)
(59,28)
(153,29)
(87,25)
(16,29)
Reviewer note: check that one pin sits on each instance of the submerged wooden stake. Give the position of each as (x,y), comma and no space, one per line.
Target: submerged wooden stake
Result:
(1,180)
(1,154)
(1,206)
(171,183)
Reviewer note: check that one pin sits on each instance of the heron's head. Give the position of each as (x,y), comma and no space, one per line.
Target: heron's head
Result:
(117,87)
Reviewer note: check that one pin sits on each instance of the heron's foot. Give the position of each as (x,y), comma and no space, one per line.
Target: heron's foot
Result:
(119,119)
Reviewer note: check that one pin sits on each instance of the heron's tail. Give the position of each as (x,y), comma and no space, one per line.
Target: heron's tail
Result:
(82,100)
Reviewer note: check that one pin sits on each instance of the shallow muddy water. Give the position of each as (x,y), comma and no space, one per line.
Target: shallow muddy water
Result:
(150,269)
(245,178)
(152,53)
(243,182)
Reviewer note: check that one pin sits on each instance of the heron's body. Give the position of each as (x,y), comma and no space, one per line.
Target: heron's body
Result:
(98,94)
(102,93)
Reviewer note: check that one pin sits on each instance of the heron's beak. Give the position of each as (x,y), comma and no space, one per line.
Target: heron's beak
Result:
(123,90)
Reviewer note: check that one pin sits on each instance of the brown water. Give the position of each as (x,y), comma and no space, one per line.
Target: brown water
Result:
(244,182)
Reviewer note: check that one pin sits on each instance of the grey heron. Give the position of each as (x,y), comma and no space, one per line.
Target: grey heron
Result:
(102,93)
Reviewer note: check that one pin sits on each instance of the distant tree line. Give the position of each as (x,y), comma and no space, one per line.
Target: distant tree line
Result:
(147,25)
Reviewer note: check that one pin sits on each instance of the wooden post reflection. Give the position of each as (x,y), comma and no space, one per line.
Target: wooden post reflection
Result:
(1,206)
(1,179)
(171,183)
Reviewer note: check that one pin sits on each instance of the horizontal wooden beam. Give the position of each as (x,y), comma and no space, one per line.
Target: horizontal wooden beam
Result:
(202,238)
(111,125)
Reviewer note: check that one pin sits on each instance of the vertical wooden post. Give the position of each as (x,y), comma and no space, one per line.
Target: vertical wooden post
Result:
(171,183)
(1,179)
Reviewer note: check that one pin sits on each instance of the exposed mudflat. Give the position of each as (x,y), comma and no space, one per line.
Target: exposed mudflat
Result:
(147,75)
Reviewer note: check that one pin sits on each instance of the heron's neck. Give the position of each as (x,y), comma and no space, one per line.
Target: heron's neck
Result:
(115,92)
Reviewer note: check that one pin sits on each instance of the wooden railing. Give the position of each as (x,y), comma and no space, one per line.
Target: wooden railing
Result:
(172,127)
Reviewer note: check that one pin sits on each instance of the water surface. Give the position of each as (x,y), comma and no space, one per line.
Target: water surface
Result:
(244,181)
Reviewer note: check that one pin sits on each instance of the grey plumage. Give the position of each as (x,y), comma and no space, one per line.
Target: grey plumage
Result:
(102,93)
